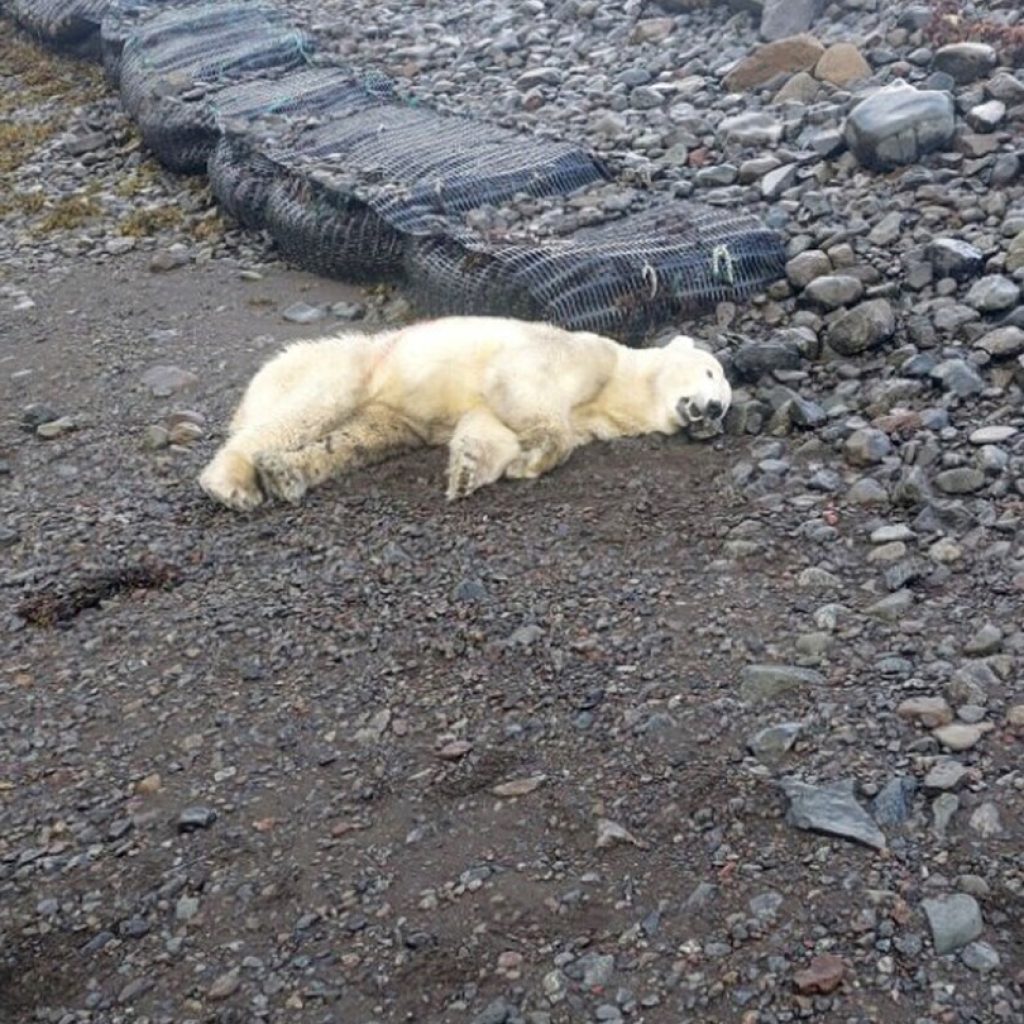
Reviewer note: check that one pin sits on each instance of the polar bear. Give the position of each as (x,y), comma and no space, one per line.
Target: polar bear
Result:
(509,398)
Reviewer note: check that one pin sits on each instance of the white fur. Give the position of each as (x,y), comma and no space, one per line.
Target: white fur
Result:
(509,398)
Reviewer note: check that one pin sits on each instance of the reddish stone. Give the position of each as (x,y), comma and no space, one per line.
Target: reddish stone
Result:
(822,977)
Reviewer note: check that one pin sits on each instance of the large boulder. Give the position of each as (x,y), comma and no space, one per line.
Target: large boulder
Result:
(798,53)
(899,124)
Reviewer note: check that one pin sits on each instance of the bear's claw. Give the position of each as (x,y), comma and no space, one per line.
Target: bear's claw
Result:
(462,474)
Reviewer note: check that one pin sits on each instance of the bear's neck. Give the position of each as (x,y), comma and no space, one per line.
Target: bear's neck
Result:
(626,404)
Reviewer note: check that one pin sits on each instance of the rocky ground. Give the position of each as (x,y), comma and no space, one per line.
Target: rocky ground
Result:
(726,732)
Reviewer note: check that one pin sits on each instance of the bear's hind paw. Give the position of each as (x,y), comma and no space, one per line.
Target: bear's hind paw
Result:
(230,481)
(279,478)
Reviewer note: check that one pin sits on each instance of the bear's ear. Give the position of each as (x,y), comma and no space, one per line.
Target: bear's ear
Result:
(681,342)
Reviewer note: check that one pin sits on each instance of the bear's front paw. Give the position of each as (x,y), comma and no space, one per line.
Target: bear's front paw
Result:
(279,477)
(463,473)
(230,480)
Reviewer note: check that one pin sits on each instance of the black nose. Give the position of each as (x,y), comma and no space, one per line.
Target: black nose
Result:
(714,410)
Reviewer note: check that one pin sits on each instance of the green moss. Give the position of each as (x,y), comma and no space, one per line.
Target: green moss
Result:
(68,213)
(143,223)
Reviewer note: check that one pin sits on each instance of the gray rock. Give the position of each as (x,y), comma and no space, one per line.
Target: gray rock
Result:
(831,809)
(944,806)
(986,117)
(867,491)
(965,62)
(803,269)
(951,257)
(781,19)
(539,76)
(862,328)
(867,446)
(770,682)
(958,376)
(164,381)
(774,183)
(980,957)
(753,359)
(303,313)
(774,740)
(954,920)
(960,480)
(1002,343)
(887,230)
(833,291)
(751,128)
(899,124)
(715,177)
(56,428)
(194,818)
(993,293)
(892,607)
(946,774)
(36,414)
(894,802)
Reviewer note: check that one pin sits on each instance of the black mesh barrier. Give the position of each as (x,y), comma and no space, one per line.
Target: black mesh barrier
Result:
(346,193)
(182,131)
(174,64)
(240,178)
(72,25)
(352,183)
(120,20)
(625,278)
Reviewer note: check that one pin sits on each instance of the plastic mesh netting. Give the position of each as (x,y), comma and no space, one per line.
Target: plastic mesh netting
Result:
(625,278)
(182,132)
(120,19)
(339,197)
(352,183)
(69,24)
(175,62)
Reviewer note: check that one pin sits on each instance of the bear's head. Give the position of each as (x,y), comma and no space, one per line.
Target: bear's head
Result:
(691,386)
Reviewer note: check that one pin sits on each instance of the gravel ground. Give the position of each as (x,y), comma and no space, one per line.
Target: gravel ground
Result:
(680,734)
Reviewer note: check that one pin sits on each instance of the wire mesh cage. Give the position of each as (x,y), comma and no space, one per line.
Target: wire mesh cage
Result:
(626,278)
(174,64)
(72,25)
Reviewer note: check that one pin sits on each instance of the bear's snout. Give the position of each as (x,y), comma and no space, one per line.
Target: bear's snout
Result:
(714,410)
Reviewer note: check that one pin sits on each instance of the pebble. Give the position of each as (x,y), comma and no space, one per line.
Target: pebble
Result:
(954,920)
(224,986)
(927,711)
(303,313)
(774,740)
(191,819)
(945,774)
(831,809)
(960,736)
(771,682)
(164,381)
(824,975)
(980,957)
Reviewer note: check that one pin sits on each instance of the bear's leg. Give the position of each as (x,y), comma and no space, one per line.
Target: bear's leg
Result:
(534,408)
(231,477)
(371,436)
(544,446)
(479,452)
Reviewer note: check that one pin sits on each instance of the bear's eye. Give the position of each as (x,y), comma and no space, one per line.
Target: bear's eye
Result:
(711,376)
